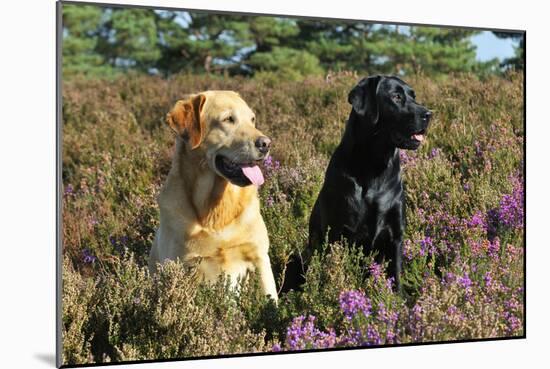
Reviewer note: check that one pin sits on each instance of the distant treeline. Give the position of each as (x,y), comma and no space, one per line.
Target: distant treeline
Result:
(104,41)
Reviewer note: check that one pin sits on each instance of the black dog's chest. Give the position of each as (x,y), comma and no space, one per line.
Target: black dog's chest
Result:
(369,205)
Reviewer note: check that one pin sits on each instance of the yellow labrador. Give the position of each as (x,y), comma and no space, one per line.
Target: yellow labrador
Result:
(209,206)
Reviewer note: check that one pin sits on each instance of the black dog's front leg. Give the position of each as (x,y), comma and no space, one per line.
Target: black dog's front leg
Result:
(389,244)
(390,248)
(394,267)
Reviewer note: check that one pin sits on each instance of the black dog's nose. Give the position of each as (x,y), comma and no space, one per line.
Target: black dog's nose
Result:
(263,143)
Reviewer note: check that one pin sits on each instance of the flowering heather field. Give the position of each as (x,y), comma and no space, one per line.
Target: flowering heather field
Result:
(464,250)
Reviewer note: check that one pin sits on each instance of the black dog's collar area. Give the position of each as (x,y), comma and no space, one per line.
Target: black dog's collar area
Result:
(232,171)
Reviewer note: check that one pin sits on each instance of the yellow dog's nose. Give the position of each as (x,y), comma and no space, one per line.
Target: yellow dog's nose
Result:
(263,143)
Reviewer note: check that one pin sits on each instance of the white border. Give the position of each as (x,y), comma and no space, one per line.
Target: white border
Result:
(27,151)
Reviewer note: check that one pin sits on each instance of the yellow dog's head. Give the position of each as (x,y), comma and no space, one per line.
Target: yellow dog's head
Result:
(222,127)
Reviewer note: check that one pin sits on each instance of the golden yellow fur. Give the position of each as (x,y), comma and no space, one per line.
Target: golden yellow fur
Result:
(203,216)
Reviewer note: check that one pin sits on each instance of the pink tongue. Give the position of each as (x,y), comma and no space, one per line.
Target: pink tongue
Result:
(419,137)
(254,174)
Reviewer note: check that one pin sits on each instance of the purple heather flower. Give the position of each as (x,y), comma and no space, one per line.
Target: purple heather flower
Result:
(494,247)
(449,278)
(465,281)
(469,296)
(416,324)
(417,312)
(352,337)
(353,302)
(375,270)
(479,150)
(390,336)
(512,304)
(407,250)
(509,213)
(276,348)
(488,279)
(302,334)
(385,316)
(389,283)
(69,190)
(520,290)
(271,165)
(426,246)
(373,336)
(477,220)
(406,158)
(511,208)
(435,152)
(295,175)
(120,244)
(381,309)
(87,257)
(512,321)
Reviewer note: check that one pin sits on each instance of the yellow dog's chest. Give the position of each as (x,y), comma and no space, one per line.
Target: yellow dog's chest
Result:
(231,250)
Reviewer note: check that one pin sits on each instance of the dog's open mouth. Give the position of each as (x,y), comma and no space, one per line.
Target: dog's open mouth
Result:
(419,136)
(241,174)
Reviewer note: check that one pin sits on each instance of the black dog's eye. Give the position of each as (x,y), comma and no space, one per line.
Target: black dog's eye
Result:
(396,98)
(229,119)
(253,119)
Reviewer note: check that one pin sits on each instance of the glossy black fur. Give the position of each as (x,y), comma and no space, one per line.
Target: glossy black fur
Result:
(362,198)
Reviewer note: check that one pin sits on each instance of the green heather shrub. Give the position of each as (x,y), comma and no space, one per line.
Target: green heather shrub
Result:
(464,241)
(126,314)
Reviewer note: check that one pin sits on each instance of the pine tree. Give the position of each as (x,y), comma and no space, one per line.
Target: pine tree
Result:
(518,60)
(287,63)
(201,42)
(128,39)
(271,53)
(373,48)
(81,24)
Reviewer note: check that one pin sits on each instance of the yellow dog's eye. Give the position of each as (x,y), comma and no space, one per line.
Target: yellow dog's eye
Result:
(253,119)
(229,119)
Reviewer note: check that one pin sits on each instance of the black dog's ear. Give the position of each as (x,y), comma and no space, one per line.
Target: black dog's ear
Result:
(363,97)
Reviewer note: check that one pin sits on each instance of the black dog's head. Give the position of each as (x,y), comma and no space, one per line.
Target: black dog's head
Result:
(387,104)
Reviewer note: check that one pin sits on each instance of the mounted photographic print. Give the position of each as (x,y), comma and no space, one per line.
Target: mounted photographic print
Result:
(240,184)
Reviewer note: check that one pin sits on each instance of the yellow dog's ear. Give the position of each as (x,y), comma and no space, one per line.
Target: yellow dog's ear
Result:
(185,119)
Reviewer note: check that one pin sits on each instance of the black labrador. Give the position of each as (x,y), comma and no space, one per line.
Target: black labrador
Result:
(362,198)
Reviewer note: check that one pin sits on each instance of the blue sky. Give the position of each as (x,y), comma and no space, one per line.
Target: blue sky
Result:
(489,46)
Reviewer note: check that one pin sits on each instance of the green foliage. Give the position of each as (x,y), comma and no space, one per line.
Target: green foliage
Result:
(134,41)
(117,152)
(286,63)
(137,317)
(104,41)
(80,40)
(389,49)
(269,32)
(208,43)
(517,61)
